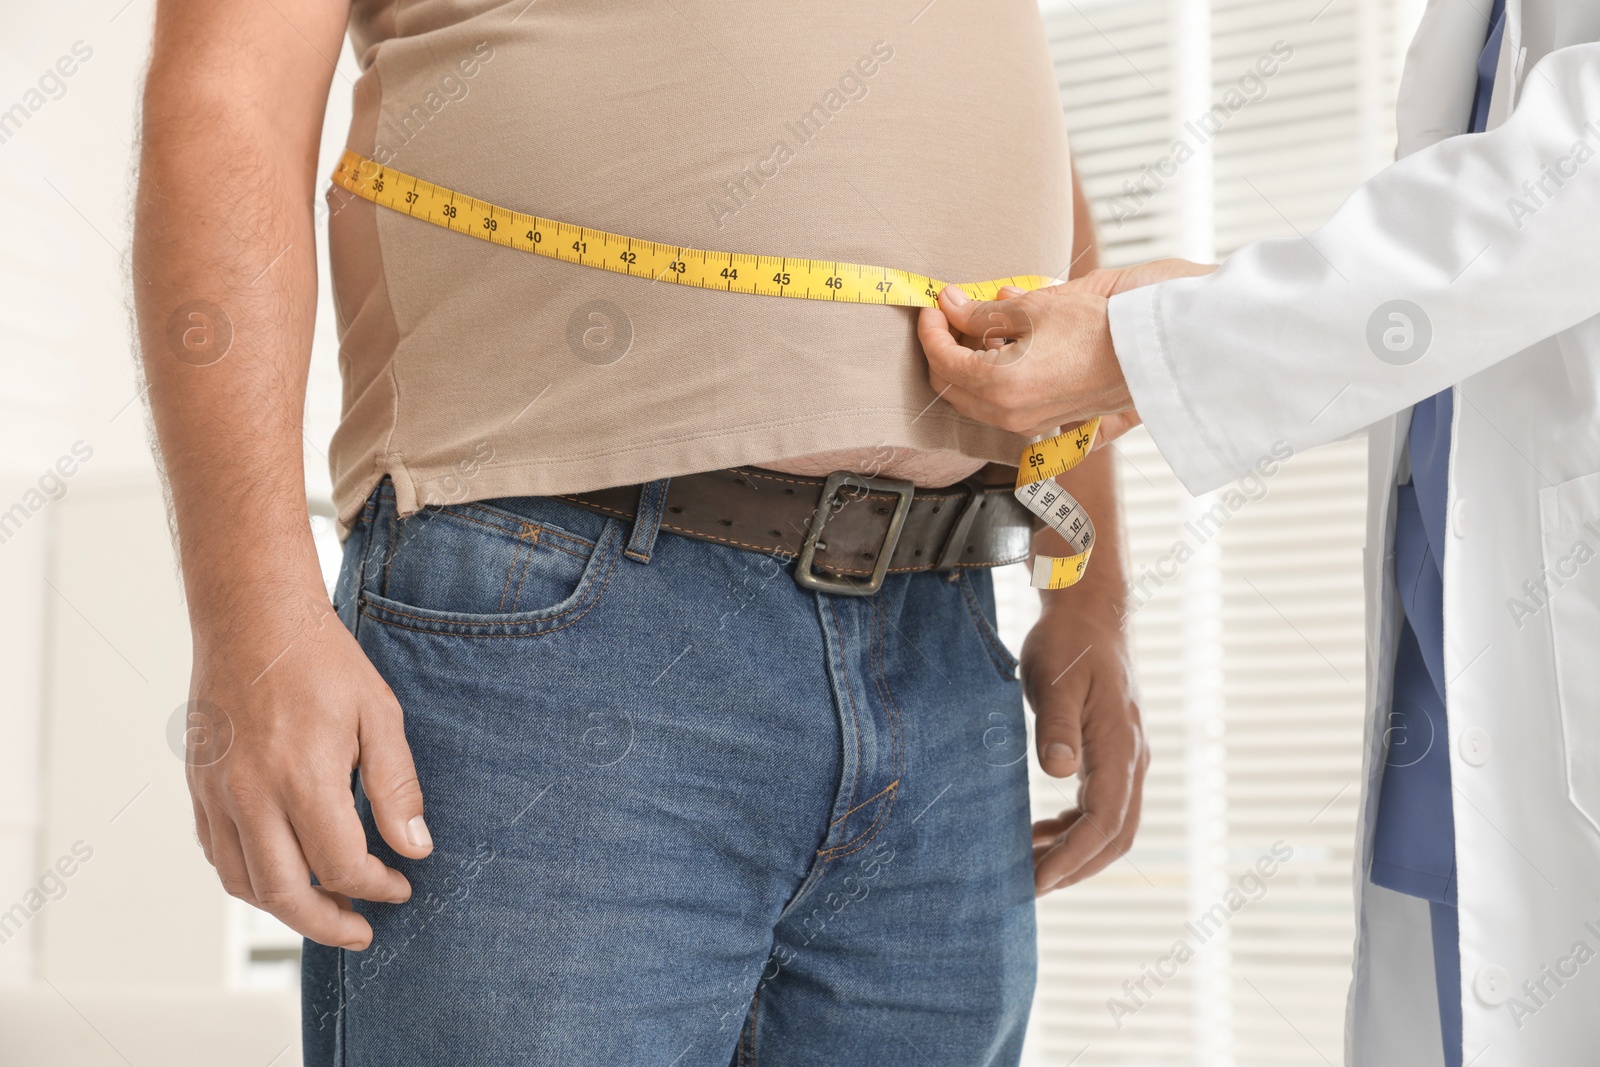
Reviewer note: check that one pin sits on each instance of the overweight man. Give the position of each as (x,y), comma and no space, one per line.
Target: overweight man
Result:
(664,656)
(1450,305)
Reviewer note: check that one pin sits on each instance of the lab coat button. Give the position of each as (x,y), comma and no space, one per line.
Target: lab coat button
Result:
(1458,518)
(1475,746)
(1492,984)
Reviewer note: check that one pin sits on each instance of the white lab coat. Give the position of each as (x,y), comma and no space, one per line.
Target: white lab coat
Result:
(1273,349)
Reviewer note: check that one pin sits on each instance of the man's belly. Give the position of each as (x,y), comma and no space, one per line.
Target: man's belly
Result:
(928,469)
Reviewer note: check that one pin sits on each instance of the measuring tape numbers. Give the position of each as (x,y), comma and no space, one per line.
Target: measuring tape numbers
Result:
(740,272)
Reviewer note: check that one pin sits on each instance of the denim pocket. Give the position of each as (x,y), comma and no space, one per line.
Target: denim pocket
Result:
(475,570)
(979,598)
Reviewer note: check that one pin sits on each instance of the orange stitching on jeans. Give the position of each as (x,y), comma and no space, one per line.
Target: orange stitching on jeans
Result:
(863,839)
(512,569)
(876,657)
(444,513)
(553,531)
(450,633)
(512,523)
(530,533)
(366,609)
(865,802)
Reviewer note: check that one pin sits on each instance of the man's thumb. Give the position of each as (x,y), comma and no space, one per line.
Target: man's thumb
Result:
(1058,730)
(389,778)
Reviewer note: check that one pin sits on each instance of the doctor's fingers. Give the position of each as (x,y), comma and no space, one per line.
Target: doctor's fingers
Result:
(1035,421)
(1114,425)
(1009,317)
(954,342)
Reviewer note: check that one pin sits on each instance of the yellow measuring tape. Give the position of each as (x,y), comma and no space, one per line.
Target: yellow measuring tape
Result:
(739,272)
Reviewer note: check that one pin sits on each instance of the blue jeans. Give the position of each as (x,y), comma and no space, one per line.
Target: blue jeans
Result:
(685,812)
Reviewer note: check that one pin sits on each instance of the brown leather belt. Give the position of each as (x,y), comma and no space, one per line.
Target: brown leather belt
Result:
(842,528)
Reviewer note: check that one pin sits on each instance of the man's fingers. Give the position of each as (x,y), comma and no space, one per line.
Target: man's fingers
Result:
(1114,849)
(281,881)
(1046,832)
(227,856)
(1110,775)
(332,839)
(1075,853)
(202,827)
(1050,861)
(389,778)
(1080,843)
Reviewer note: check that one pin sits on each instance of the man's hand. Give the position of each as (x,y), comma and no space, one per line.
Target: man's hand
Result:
(1079,680)
(291,716)
(1034,362)
(1078,677)
(293,705)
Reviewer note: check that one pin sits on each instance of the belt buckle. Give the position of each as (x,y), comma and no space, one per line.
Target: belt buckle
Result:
(955,540)
(807,578)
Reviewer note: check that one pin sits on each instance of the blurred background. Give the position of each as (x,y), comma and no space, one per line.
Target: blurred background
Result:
(1246,604)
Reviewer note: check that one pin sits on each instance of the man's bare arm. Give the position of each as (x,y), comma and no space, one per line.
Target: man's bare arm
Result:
(1077,671)
(224,244)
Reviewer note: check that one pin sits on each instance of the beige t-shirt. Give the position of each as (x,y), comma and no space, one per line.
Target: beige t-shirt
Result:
(925,136)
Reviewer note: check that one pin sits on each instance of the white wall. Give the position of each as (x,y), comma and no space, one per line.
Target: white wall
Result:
(137,956)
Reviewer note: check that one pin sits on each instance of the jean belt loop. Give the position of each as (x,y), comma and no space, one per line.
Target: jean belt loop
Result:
(647,520)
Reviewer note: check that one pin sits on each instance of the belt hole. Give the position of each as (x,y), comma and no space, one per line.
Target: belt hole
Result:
(883,511)
(788,492)
(936,509)
(866,555)
(919,552)
(675,509)
(726,522)
(775,533)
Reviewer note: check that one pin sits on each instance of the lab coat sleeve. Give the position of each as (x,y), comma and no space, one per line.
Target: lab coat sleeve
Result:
(1492,240)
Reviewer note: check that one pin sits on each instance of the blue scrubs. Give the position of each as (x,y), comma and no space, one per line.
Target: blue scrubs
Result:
(1413,850)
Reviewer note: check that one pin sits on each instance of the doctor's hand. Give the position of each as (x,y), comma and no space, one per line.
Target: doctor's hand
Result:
(1078,677)
(1034,362)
